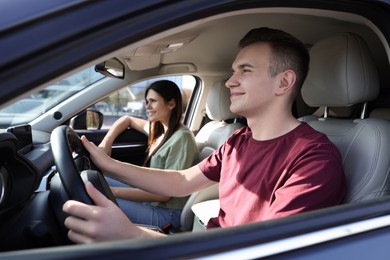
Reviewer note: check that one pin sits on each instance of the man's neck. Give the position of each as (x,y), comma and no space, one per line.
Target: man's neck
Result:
(267,129)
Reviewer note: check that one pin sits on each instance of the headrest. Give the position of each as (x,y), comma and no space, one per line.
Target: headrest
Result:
(218,103)
(342,72)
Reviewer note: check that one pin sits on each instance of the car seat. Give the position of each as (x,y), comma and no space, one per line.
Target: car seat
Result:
(210,137)
(381,112)
(342,73)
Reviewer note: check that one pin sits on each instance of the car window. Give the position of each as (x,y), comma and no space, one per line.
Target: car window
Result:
(28,109)
(130,100)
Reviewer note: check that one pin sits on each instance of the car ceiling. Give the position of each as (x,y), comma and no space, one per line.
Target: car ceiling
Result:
(217,38)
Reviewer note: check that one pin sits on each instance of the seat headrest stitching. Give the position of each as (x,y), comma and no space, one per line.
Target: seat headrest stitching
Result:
(347,50)
(365,69)
(367,177)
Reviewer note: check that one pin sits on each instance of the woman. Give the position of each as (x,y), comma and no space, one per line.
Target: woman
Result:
(171,145)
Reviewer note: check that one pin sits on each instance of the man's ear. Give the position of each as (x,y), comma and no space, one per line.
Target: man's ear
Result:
(287,81)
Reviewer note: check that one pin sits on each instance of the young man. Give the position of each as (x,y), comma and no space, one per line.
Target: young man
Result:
(275,167)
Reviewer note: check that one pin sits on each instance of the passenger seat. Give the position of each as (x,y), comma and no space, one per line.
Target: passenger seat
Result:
(383,113)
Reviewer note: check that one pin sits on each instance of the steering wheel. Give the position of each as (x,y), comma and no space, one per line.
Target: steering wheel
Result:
(75,167)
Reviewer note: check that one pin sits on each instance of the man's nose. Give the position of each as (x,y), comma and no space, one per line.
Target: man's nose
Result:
(231,82)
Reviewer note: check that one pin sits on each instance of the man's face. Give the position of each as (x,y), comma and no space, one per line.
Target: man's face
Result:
(251,86)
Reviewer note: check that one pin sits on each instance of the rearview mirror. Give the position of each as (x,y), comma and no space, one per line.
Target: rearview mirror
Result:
(112,68)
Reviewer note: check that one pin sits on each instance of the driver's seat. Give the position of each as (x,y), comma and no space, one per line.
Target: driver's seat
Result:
(342,73)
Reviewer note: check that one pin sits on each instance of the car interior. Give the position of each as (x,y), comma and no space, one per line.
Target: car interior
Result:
(211,136)
(348,77)
(344,63)
(346,96)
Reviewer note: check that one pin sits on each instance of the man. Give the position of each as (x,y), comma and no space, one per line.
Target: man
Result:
(275,167)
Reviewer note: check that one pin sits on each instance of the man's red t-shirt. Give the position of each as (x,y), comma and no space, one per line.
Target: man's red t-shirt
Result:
(262,180)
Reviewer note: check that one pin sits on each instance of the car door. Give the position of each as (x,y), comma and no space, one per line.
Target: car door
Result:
(130,146)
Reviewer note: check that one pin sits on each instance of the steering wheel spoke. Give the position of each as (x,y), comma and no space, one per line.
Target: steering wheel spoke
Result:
(72,159)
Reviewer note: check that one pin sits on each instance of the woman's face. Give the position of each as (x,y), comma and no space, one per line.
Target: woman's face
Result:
(158,109)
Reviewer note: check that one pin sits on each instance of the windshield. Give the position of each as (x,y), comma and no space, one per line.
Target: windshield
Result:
(27,109)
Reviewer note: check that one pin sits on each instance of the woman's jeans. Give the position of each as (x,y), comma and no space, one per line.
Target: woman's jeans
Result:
(143,213)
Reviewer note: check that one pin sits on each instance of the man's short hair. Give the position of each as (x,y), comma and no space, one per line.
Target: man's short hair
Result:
(287,52)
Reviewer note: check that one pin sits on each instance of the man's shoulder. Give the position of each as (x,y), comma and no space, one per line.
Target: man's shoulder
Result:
(309,131)
(238,138)
(243,132)
(316,139)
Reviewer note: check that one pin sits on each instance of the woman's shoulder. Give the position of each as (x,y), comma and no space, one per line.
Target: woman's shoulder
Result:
(182,138)
(184,131)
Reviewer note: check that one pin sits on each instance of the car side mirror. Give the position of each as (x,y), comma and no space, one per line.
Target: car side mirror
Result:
(112,68)
(88,120)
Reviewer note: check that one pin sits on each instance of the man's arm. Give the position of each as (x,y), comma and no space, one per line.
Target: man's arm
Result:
(105,221)
(171,183)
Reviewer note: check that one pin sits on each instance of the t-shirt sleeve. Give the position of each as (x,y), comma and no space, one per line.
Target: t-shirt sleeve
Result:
(211,165)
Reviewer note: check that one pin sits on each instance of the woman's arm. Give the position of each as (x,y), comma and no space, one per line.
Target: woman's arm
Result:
(118,127)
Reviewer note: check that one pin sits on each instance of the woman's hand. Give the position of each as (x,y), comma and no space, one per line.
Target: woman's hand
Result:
(99,156)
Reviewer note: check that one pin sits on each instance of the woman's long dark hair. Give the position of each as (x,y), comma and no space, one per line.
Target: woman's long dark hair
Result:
(168,90)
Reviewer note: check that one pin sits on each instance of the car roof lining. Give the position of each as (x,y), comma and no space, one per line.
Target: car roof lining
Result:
(204,33)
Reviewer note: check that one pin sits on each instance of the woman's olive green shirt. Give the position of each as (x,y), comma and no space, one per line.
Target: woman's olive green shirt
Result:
(178,152)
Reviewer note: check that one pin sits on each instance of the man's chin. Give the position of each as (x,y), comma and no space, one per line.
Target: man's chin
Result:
(235,110)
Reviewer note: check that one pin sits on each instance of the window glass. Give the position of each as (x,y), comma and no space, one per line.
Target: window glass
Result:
(131,100)
(31,107)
